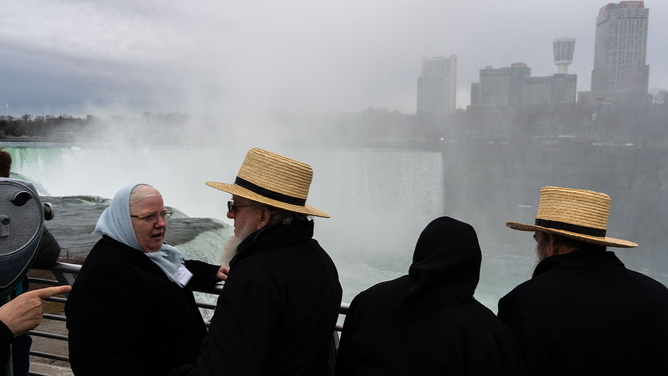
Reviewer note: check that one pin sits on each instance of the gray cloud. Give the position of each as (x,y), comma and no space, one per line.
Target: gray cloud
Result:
(95,57)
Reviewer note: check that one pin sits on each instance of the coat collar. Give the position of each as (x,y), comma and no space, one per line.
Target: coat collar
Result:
(585,257)
(133,256)
(271,237)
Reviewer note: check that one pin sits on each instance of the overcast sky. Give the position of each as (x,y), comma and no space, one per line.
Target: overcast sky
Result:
(126,56)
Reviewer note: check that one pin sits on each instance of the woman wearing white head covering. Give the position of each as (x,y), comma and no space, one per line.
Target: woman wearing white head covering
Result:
(131,310)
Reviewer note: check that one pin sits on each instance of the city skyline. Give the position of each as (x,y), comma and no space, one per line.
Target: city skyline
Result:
(79,58)
(508,88)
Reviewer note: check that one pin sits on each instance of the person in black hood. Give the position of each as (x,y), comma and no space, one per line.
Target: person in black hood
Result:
(427,322)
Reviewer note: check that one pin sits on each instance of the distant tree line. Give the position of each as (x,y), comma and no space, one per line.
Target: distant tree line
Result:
(36,126)
(621,123)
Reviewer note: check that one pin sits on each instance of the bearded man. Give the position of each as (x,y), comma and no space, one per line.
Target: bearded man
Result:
(583,312)
(277,311)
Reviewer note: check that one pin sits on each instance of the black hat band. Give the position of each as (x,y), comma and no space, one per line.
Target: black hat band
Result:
(269,193)
(570,227)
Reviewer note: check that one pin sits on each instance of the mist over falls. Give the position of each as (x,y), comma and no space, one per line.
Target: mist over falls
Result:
(488,185)
(642,125)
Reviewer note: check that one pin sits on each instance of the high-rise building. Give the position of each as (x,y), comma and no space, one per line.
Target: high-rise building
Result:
(621,47)
(506,89)
(499,89)
(555,89)
(620,71)
(437,86)
(475,94)
(558,88)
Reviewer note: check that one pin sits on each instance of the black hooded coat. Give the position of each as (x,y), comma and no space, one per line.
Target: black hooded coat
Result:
(427,322)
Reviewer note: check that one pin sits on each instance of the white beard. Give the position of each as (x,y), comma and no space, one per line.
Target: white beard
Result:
(541,254)
(542,247)
(230,249)
(232,243)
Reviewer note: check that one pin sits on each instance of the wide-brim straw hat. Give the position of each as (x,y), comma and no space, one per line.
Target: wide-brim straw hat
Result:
(275,180)
(574,213)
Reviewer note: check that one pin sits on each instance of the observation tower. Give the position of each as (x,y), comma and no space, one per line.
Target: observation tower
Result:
(563,53)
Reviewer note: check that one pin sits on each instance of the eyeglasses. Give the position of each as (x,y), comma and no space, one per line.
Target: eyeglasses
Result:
(231,205)
(152,218)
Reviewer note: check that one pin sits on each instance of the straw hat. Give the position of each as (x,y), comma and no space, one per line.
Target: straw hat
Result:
(574,213)
(275,180)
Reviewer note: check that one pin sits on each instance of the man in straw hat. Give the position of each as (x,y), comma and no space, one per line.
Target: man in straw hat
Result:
(583,312)
(281,300)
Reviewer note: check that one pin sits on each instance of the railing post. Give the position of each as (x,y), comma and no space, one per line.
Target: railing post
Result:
(64,278)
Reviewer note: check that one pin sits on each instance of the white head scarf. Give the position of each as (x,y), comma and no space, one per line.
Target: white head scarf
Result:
(116,223)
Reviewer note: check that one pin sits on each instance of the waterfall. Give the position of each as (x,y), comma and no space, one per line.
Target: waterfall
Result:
(379,200)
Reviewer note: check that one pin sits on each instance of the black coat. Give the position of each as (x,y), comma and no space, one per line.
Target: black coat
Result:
(126,318)
(277,311)
(427,322)
(6,338)
(49,251)
(584,313)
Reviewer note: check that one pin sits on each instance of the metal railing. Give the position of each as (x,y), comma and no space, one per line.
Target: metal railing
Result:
(64,274)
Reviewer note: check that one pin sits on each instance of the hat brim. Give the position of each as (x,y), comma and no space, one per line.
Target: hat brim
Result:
(604,241)
(245,193)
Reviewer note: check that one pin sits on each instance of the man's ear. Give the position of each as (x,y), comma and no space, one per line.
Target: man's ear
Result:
(552,246)
(265,218)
